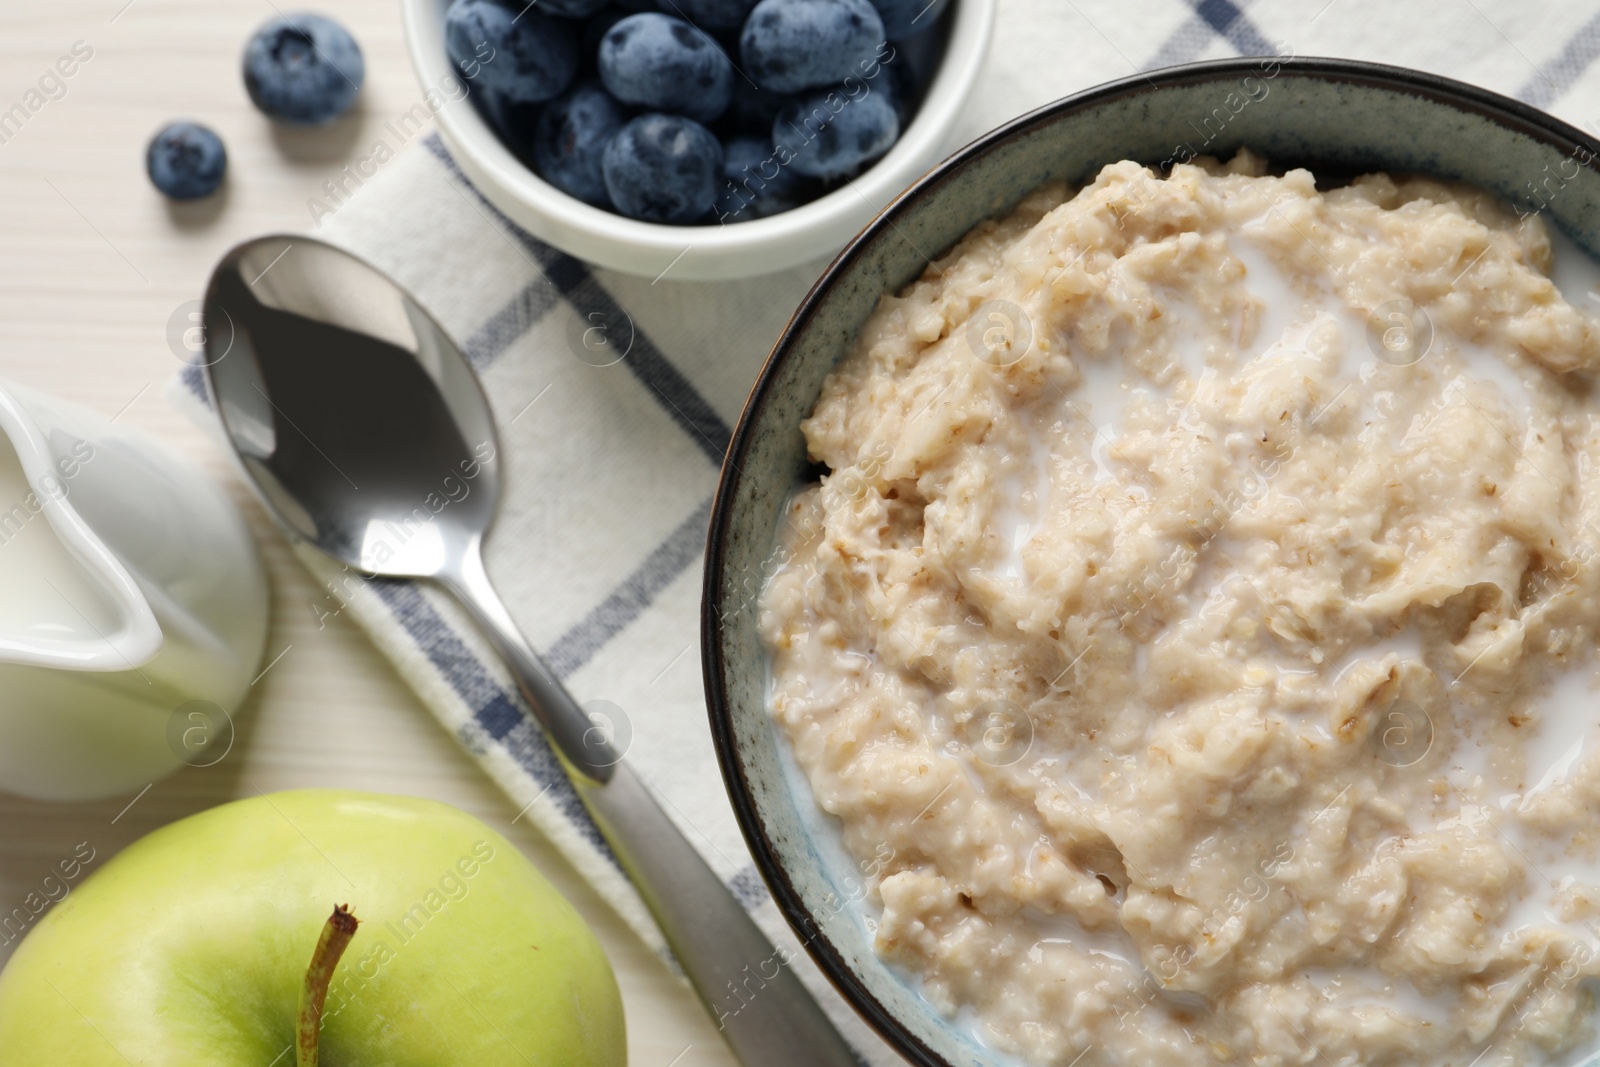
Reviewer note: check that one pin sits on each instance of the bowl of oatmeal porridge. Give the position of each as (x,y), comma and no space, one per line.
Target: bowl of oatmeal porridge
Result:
(1152,597)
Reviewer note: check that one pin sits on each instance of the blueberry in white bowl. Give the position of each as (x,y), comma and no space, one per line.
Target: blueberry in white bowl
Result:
(828,143)
(304,69)
(754,184)
(186,161)
(824,91)
(570,140)
(654,117)
(663,63)
(663,168)
(790,45)
(521,55)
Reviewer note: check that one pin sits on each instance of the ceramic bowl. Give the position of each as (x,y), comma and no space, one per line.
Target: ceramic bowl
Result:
(1336,117)
(699,253)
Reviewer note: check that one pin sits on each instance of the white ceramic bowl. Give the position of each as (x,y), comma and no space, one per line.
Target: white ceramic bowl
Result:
(698,253)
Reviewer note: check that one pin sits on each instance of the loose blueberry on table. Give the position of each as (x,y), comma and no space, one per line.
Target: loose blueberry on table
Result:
(303,69)
(186,161)
(696,112)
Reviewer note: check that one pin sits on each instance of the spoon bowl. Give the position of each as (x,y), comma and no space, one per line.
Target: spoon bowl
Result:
(352,410)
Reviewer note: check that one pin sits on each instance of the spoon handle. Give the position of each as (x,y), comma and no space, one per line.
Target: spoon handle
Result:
(583,747)
(766,1015)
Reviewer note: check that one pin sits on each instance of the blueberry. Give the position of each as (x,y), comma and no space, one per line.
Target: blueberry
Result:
(663,168)
(829,134)
(571,138)
(754,183)
(521,56)
(664,64)
(574,9)
(303,69)
(186,161)
(790,45)
(906,18)
(710,14)
(595,28)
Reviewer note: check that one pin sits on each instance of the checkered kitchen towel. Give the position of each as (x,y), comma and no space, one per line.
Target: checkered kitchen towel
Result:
(610,470)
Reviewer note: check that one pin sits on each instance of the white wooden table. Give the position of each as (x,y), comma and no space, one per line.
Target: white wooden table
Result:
(93,262)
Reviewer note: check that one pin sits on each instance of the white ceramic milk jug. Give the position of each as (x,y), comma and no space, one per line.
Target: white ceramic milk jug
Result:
(133,604)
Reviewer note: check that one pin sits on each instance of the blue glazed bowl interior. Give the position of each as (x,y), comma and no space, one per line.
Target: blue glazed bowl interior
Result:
(1339,118)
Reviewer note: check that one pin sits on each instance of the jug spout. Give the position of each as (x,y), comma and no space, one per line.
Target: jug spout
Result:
(66,601)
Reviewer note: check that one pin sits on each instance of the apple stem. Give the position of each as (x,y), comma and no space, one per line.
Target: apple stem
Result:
(336,935)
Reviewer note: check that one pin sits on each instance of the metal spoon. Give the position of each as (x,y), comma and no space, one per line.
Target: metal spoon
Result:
(354,414)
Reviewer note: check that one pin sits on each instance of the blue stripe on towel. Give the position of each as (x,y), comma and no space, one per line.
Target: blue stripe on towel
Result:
(1552,80)
(519,315)
(682,400)
(572,279)
(1210,19)
(194,381)
(1234,26)
(748,888)
(499,713)
(680,551)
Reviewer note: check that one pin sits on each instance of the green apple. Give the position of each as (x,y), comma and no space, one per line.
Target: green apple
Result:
(194,944)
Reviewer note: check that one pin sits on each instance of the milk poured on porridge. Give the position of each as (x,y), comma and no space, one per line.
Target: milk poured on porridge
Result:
(1200,610)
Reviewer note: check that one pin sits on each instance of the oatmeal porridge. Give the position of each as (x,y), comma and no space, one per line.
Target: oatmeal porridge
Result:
(1199,607)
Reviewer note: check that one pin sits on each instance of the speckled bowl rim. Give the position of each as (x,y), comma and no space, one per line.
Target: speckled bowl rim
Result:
(1501,110)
